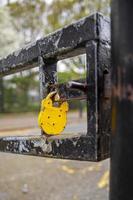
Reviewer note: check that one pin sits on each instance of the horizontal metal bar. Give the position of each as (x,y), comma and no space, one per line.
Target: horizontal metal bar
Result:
(77,89)
(77,86)
(67,93)
(66,146)
(59,44)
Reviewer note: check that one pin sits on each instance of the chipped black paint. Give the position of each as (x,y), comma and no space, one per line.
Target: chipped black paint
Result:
(90,35)
(72,147)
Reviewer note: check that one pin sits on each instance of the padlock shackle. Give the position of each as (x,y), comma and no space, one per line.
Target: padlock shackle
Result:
(51,94)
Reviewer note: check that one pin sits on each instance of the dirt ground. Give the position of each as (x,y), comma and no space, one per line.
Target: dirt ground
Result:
(34,178)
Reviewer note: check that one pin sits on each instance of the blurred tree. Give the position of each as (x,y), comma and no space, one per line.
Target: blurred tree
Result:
(25,18)
(28,18)
(62,12)
(32,18)
(17,92)
(8,1)
(74,69)
(7,43)
(8,34)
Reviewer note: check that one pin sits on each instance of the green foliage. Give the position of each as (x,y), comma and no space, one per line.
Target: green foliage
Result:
(16,93)
(8,34)
(75,69)
(67,76)
(64,12)
(28,17)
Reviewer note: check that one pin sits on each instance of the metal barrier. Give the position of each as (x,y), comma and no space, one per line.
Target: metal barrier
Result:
(122,101)
(91,36)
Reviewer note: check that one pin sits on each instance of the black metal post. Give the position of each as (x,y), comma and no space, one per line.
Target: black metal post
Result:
(121,187)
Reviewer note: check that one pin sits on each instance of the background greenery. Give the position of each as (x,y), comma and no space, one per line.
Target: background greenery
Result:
(24,21)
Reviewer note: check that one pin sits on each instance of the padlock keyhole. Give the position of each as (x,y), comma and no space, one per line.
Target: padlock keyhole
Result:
(56,104)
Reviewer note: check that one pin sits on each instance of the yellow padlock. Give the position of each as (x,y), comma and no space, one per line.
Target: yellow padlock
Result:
(52,120)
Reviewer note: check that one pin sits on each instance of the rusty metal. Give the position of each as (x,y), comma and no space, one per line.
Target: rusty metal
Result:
(91,36)
(122,101)
(69,93)
(72,98)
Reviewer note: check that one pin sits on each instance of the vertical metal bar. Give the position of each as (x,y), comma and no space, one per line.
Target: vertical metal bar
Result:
(104,100)
(47,75)
(92,110)
(122,101)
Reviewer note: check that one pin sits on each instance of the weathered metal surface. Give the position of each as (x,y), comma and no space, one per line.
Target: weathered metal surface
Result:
(98,105)
(81,86)
(122,101)
(91,36)
(64,43)
(104,100)
(72,146)
(48,76)
(71,90)
(92,109)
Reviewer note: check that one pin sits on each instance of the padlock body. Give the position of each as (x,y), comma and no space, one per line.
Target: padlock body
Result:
(52,120)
